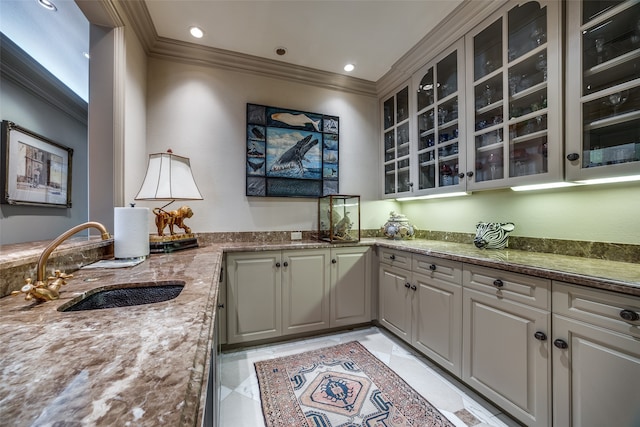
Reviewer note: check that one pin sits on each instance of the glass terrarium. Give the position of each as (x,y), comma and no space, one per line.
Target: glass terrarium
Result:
(339,218)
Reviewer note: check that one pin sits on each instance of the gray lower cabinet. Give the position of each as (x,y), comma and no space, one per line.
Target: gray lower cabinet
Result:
(596,357)
(421,302)
(275,293)
(506,351)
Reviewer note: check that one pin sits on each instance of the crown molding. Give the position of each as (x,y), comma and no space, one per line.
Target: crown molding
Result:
(20,68)
(160,47)
(464,18)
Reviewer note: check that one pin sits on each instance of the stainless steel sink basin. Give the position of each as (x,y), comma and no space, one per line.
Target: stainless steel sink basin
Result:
(125,295)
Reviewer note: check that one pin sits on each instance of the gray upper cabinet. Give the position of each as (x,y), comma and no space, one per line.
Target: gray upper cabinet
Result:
(603,88)
(396,143)
(514,97)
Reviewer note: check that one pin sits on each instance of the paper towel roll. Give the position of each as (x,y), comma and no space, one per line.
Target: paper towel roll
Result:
(131,232)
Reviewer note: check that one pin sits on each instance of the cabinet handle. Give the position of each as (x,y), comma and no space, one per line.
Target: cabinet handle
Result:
(470,174)
(333,261)
(414,288)
(277,264)
(432,267)
(392,257)
(407,285)
(572,157)
(285,264)
(220,305)
(540,336)
(561,344)
(498,283)
(629,315)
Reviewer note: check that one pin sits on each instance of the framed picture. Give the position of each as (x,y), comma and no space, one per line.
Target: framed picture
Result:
(37,171)
(291,153)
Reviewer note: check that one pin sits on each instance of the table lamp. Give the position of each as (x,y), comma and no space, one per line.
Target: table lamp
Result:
(169,178)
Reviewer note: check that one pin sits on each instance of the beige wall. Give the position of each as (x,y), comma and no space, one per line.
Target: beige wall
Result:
(200,113)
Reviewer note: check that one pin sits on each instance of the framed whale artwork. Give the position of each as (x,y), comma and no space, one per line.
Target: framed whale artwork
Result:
(291,153)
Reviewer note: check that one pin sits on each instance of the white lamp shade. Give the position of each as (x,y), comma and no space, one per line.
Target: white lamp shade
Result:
(168,177)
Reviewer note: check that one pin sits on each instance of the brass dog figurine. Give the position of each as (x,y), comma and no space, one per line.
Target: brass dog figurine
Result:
(171,218)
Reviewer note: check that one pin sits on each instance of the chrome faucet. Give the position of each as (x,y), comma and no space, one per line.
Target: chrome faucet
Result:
(49,291)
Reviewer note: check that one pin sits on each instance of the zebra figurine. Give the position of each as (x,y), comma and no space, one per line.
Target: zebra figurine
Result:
(493,235)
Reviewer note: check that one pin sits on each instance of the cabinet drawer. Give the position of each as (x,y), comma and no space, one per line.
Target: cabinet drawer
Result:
(598,307)
(438,268)
(529,290)
(395,258)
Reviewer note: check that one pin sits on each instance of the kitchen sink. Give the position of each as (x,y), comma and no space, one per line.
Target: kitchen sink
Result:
(125,295)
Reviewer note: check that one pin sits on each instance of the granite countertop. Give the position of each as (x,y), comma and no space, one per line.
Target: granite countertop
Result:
(148,365)
(142,365)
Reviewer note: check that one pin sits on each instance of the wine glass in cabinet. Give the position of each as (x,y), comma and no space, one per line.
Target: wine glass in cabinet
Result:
(603,122)
(515,87)
(440,123)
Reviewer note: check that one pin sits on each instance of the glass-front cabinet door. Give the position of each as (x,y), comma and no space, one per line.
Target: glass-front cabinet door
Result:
(514,79)
(603,89)
(440,123)
(396,146)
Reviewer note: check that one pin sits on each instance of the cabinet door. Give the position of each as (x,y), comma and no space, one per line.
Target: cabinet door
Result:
(514,77)
(603,123)
(596,377)
(350,286)
(305,290)
(440,123)
(395,300)
(502,357)
(438,328)
(254,296)
(396,143)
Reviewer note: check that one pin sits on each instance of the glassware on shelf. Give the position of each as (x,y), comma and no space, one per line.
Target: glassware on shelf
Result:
(600,49)
(488,94)
(541,65)
(615,100)
(538,36)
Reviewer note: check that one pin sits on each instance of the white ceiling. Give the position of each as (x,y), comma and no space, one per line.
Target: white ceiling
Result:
(319,34)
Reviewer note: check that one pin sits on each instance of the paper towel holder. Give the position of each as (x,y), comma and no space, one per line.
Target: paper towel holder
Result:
(169,178)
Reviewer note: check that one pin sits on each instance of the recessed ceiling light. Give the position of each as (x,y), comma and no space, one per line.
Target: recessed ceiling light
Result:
(349,67)
(281,51)
(196,32)
(47,4)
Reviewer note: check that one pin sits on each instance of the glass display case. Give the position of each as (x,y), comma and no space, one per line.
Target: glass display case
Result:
(439,122)
(603,132)
(516,135)
(396,136)
(339,218)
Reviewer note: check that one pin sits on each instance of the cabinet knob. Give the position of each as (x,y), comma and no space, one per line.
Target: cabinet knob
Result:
(498,283)
(333,261)
(561,344)
(414,288)
(572,157)
(277,264)
(407,285)
(392,257)
(220,305)
(285,264)
(432,267)
(470,174)
(540,336)
(461,175)
(629,315)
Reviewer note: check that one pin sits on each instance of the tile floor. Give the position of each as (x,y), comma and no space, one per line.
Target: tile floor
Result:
(240,396)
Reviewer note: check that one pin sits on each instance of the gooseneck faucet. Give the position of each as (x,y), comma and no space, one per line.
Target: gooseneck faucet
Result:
(49,291)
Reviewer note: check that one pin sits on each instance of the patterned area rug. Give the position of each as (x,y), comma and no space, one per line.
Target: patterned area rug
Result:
(340,386)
